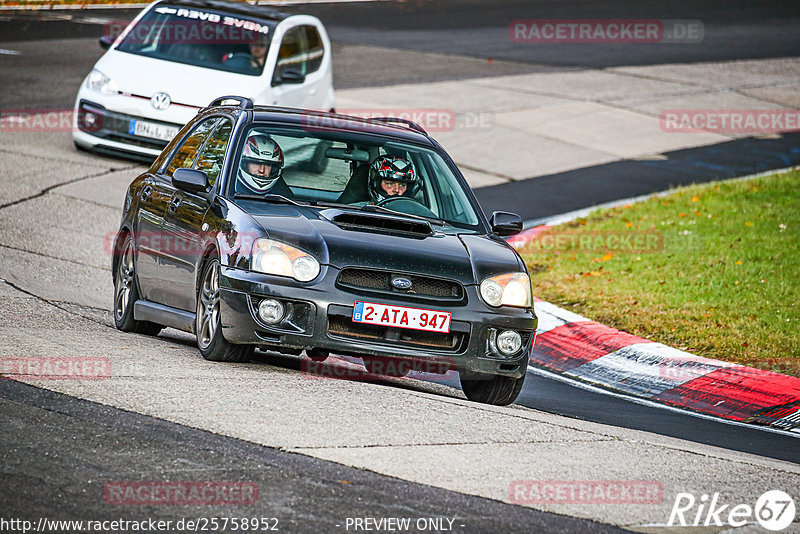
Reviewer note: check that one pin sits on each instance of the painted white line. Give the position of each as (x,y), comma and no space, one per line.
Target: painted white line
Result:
(652,404)
(5,52)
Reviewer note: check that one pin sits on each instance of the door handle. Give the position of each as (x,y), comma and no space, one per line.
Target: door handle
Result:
(173,206)
(146,192)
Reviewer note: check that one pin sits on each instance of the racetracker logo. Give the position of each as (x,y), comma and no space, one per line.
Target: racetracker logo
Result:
(752,121)
(205,493)
(545,31)
(775,510)
(43,120)
(630,242)
(44,368)
(378,368)
(430,119)
(227,30)
(182,246)
(586,492)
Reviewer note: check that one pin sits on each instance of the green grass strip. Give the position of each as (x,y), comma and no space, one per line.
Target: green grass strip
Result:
(712,269)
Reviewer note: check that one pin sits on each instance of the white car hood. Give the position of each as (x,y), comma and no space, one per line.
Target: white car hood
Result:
(185,84)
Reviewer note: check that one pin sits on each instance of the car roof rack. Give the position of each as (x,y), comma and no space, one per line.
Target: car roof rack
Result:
(411,124)
(241,101)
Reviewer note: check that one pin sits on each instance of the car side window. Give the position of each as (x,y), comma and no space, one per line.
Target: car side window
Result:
(315,49)
(301,49)
(213,154)
(186,154)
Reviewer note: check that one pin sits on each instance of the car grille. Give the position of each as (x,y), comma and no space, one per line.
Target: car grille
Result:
(344,326)
(381,281)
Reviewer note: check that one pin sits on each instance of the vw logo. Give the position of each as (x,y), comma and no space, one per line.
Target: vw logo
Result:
(160,101)
(401,283)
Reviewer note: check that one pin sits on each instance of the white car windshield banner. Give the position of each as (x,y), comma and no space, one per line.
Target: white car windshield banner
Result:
(225,20)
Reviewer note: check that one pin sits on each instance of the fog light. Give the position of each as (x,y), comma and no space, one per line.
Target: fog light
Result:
(270,311)
(509,342)
(89,119)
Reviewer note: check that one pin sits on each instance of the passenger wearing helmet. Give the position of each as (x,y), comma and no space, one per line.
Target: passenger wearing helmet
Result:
(261,167)
(391,176)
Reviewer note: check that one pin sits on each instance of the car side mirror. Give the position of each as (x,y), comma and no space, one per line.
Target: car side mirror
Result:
(504,223)
(106,41)
(292,76)
(191,180)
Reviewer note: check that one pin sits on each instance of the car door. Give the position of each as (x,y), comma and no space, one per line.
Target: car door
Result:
(154,196)
(184,219)
(166,248)
(302,51)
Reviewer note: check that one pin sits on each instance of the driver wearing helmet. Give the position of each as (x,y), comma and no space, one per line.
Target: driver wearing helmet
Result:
(261,167)
(392,176)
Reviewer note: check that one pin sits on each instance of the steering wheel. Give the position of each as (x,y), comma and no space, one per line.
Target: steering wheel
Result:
(237,56)
(408,205)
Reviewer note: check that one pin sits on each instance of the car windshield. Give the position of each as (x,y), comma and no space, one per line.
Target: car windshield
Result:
(203,38)
(324,168)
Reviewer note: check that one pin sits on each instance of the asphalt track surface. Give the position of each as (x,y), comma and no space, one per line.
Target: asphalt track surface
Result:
(304,493)
(311,492)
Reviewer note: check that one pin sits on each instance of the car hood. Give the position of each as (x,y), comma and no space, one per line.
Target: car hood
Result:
(468,258)
(185,84)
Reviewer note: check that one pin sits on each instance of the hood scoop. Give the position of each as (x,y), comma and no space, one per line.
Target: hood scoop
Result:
(381,223)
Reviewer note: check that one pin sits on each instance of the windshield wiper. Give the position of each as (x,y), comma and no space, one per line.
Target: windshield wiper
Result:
(269,197)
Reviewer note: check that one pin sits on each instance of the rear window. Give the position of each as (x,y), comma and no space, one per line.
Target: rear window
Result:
(200,37)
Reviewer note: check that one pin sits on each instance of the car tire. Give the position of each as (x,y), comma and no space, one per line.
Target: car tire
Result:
(213,346)
(490,389)
(126,293)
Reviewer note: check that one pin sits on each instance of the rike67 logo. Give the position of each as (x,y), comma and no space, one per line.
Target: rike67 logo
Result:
(775,510)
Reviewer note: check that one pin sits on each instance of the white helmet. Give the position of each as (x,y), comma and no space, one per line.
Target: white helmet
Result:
(260,149)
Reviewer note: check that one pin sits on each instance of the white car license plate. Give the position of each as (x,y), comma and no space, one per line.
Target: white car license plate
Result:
(401,317)
(152,130)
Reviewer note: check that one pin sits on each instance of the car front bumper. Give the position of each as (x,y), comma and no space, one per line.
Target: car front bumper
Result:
(319,315)
(108,129)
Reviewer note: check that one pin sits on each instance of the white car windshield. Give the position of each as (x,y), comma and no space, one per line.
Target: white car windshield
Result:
(330,167)
(203,38)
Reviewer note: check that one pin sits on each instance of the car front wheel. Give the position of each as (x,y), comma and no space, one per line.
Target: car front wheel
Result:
(208,328)
(490,389)
(126,293)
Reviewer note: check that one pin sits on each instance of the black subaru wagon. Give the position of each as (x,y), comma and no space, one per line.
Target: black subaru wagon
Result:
(292,230)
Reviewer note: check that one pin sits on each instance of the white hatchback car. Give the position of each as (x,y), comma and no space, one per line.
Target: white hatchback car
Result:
(176,56)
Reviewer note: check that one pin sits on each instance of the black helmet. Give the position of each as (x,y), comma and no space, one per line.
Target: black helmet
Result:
(396,169)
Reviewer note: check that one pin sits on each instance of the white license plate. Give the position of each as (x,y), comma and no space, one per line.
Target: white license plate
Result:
(152,130)
(401,317)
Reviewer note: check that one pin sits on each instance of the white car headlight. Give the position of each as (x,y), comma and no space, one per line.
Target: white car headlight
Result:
(97,81)
(272,257)
(511,289)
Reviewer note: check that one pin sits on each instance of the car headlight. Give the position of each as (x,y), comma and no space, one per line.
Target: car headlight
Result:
(511,289)
(272,257)
(97,81)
